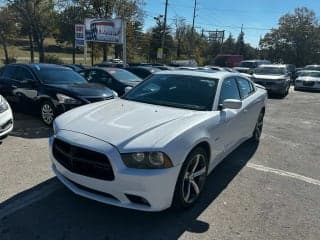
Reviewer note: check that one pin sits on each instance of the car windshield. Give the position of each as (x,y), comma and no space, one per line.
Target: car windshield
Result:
(124,75)
(316,68)
(180,91)
(309,74)
(270,71)
(248,64)
(59,76)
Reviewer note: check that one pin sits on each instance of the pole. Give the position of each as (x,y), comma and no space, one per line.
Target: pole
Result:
(91,53)
(192,29)
(124,45)
(164,29)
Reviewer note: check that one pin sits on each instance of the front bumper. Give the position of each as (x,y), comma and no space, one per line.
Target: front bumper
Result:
(306,86)
(6,122)
(156,186)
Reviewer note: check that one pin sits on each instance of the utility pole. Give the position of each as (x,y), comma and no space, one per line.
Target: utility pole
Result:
(164,29)
(192,29)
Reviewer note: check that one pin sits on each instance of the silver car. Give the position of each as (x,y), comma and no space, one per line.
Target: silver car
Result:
(274,77)
(309,80)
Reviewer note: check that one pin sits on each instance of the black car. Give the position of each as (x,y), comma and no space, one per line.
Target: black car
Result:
(48,89)
(75,67)
(143,71)
(114,78)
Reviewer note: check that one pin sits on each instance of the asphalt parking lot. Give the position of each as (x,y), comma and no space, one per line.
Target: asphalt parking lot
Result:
(269,191)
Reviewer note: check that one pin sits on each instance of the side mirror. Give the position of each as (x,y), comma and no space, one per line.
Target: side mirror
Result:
(127,89)
(232,104)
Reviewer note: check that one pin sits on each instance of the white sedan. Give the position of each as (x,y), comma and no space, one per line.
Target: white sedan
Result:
(6,118)
(307,79)
(154,147)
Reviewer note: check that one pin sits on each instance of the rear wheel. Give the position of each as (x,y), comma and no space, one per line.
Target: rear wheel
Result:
(48,113)
(191,179)
(258,128)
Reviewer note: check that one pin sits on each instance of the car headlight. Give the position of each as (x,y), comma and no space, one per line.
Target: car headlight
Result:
(115,94)
(4,106)
(67,100)
(146,160)
(55,128)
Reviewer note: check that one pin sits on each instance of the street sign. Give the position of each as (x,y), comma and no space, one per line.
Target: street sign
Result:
(79,35)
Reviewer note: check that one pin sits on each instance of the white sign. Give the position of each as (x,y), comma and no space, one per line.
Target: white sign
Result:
(79,35)
(104,30)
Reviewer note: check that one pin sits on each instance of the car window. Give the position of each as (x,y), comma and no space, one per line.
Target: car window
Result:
(97,76)
(188,92)
(229,90)
(245,87)
(22,74)
(9,71)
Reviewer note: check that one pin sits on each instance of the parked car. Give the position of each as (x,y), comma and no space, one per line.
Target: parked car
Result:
(114,78)
(274,77)
(143,71)
(248,66)
(48,89)
(155,146)
(75,67)
(6,118)
(110,65)
(312,67)
(307,79)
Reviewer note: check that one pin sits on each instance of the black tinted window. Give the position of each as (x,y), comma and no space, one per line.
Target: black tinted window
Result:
(22,74)
(229,90)
(245,87)
(97,76)
(9,71)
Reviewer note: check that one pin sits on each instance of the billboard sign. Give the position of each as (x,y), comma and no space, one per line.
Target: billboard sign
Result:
(79,35)
(104,30)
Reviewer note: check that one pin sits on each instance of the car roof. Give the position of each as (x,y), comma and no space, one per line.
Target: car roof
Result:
(255,60)
(219,75)
(38,66)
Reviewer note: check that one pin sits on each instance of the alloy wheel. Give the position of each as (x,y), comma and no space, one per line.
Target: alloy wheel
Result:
(194,178)
(47,114)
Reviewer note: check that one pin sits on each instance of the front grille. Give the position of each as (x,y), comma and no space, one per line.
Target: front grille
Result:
(6,126)
(82,161)
(98,99)
(308,83)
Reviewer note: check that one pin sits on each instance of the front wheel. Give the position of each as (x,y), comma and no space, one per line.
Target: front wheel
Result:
(191,179)
(48,113)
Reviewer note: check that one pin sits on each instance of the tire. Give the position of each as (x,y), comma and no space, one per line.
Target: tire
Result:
(189,187)
(47,113)
(258,128)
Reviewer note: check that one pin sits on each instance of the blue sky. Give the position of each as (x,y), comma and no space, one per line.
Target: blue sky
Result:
(257,16)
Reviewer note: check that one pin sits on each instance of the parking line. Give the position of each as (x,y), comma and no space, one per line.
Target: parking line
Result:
(283,173)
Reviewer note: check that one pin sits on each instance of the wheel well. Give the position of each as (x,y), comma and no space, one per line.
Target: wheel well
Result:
(205,146)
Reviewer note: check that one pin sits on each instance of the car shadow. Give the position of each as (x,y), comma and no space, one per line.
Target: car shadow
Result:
(29,126)
(64,215)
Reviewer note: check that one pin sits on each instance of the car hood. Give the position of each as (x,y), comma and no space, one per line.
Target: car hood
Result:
(268,77)
(307,78)
(123,123)
(83,89)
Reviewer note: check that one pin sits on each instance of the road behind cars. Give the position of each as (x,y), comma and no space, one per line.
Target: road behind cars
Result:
(270,191)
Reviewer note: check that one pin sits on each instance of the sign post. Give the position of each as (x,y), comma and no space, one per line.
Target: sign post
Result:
(107,31)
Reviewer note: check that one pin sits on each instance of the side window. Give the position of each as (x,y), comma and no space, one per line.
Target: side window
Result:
(22,74)
(229,90)
(9,71)
(245,87)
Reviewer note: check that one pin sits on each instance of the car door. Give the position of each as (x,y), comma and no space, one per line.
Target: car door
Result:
(25,86)
(250,106)
(230,118)
(7,84)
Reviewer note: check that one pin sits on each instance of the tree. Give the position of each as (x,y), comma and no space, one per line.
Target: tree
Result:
(7,30)
(240,45)
(229,46)
(296,40)
(180,34)
(40,16)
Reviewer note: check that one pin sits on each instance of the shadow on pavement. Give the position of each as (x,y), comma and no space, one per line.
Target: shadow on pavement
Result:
(63,215)
(29,126)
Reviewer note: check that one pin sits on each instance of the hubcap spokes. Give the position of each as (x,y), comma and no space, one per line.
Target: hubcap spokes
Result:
(47,114)
(194,178)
